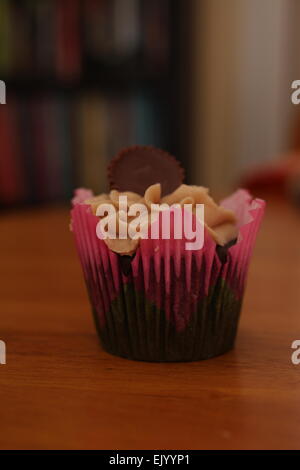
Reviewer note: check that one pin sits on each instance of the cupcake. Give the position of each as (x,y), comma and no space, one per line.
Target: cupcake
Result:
(158,291)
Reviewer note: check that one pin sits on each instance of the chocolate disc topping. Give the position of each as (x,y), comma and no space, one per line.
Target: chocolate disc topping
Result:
(136,168)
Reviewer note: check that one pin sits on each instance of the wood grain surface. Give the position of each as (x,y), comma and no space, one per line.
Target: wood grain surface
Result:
(59,390)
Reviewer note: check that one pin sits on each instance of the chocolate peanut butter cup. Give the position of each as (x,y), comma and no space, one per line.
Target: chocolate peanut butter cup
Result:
(136,168)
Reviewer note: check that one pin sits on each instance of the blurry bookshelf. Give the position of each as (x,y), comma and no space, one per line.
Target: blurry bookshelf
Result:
(84,78)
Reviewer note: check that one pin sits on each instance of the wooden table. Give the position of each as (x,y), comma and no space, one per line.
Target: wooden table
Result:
(59,390)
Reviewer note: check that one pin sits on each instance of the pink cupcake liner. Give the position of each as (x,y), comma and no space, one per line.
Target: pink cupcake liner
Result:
(169,303)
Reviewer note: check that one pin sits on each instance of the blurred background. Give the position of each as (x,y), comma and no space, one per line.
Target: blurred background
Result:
(207,80)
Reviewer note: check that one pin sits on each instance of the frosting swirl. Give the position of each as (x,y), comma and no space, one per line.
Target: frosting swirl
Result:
(219,221)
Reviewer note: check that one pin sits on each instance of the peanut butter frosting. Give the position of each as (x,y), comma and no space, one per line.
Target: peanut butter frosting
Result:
(219,221)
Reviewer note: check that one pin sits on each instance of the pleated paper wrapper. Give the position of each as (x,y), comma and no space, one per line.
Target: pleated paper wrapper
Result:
(167,303)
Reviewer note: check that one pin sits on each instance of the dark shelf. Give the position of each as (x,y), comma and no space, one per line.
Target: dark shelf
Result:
(137,93)
(104,83)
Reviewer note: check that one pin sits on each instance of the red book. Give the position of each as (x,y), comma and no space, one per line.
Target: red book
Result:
(68,50)
(12,179)
(39,149)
